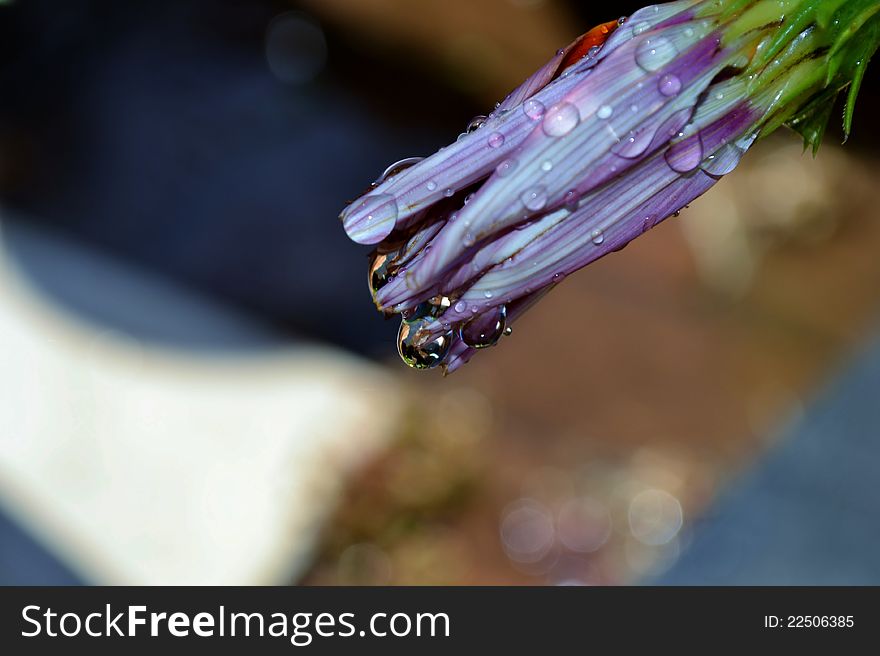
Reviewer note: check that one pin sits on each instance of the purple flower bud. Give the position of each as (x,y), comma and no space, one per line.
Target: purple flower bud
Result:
(597,147)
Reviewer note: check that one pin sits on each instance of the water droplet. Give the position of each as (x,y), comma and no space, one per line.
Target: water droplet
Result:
(487,294)
(505,168)
(547,166)
(592,52)
(431,185)
(634,144)
(648,223)
(380,271)
(535,198)
(534,109)
(670,85)
(486,329)
(376,218)
(724,161)
(469,240)
(634,109)
(640,27)
(476,123)
(508,331)
(598,236)
(460,307)
(496,140)
(571,200)
(449,193)
(398,167)
(561,119)
(418,351)
(655,53)
(605,112)
(685,156)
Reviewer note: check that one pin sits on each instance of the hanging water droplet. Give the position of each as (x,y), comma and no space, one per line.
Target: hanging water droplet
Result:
(670,85)
(380,271)
(449,193)
(534,109)
(605,112)
(723,161)
(535,198)
(486,329)
(376,218)
(655,53)
(508,331)
(496,140)
(685,156)
(598,236)
(561,119)
(418,351)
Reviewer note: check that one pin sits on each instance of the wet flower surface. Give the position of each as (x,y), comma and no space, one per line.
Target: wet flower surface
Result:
(620,130)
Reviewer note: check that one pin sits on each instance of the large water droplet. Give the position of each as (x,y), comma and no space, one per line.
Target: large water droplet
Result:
(419,352)
(654,53)
(376,216)
(634,144)
(496,140)
(398,167)
(561,119)
(486,329)
(534,109)
(723,161)
(535,198)
(380,271)
(685,156)
(670,85)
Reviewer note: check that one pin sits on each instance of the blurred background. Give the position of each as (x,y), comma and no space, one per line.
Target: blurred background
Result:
(195,387)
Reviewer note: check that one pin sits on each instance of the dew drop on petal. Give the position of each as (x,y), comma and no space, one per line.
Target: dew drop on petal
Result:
(640,27)
(485,329)
(724,161)
(431,185)
(505,168)
(605,112)
(598,237)
(535,198)
(496,140)
(670,85)
(460,307)
(561,119)
(476,123)
(449,193)
(547,166)
(655,53)
(378,216)
(685,156)
(534,109)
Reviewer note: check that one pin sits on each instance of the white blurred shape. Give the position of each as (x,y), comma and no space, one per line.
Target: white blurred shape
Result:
(527,532)
(142,465)
(655,517)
